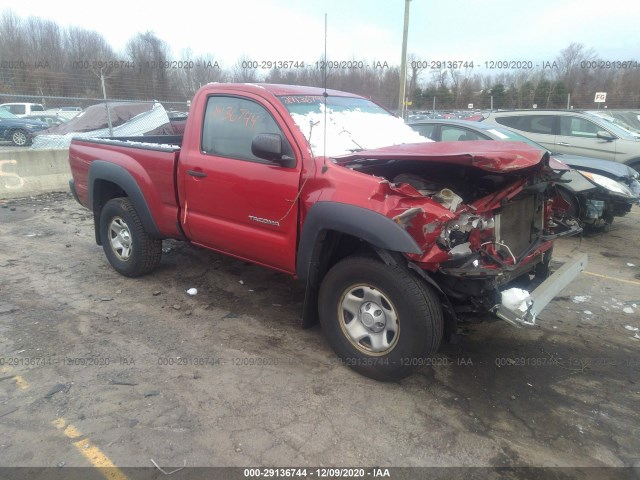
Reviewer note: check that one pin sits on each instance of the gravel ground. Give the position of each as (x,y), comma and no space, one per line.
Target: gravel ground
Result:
(227,378)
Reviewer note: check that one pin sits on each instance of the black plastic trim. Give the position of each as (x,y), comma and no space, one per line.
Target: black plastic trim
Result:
(101,170)
(370,226)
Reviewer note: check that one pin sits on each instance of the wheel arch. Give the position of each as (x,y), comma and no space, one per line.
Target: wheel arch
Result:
(332,231)
(326,220)
(106,181)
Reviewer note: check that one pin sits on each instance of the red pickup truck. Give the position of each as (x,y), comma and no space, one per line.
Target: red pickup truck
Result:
(399,240)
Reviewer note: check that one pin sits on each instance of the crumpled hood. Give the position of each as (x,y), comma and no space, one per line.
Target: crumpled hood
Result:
(484,154)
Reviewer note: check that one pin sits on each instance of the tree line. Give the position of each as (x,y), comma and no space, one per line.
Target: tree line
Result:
(40,58)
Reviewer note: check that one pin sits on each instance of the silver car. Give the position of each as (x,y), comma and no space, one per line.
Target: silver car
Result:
(573,132)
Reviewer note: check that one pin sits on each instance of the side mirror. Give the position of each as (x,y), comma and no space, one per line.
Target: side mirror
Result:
(268,146)
(605,136)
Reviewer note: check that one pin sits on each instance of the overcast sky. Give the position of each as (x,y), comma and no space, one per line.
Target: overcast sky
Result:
(472,30)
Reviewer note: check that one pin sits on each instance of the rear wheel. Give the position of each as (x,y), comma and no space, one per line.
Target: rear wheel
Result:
(380,319)
(130,250)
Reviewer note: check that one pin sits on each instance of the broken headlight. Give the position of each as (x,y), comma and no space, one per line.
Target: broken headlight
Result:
(609,184)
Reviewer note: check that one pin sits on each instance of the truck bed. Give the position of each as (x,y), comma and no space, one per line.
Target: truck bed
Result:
(150,162)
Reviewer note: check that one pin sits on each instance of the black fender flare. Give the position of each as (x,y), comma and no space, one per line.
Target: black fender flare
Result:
(370,226)
(102,170)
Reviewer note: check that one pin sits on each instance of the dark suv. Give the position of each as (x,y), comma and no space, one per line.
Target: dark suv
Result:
(19,130)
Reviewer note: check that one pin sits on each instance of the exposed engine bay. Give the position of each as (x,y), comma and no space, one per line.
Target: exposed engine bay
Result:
(497,230)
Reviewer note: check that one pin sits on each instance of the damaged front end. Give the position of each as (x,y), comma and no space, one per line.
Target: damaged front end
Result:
(485,223)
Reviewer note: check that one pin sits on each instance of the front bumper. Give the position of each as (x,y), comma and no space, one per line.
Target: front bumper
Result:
(542,295)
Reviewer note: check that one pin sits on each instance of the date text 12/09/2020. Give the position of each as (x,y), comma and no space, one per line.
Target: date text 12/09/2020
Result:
(287,63)
(325,472)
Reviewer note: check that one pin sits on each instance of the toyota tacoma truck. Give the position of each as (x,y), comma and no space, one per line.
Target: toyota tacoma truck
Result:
(399,241)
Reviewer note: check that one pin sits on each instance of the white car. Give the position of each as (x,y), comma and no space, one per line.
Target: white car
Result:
(21,109)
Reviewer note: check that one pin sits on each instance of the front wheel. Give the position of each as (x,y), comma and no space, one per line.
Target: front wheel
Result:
(20,138)
(130,250)
(380,319)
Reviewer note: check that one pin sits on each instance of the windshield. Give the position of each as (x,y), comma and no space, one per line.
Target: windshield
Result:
(6,113)
(352,124)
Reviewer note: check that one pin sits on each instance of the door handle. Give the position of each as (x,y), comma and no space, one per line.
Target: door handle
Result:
(195,173)
(564,144)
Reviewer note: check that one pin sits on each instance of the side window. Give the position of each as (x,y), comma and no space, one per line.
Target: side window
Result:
(17,109)
(458,134)
(425,130)
(37,108)
(578,127)
(529,123)
(230,125)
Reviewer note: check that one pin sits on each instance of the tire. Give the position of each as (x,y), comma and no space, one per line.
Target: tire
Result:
(20,138)
(398,318)
(130,250)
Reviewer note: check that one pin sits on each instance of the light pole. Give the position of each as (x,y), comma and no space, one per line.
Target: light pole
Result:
(403,61)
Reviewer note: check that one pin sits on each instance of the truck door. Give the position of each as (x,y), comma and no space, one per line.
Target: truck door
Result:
(235,202)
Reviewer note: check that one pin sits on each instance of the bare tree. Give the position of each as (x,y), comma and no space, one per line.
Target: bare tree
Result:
(571,65)
(245,70)
(151,58)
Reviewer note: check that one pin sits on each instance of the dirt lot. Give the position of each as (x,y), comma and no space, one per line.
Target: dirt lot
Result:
(137,369)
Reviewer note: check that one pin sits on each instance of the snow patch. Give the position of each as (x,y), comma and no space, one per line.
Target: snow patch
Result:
(516,299)
(351,131)
(581,298)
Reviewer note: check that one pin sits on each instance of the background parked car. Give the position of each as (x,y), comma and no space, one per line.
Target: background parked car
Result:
(591,195)
(19,130)
(454,130)
(619,119)
(65,115)
(574,132)
(21,109)
(51,119)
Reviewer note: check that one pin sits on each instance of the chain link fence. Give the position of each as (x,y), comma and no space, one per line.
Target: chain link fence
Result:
(75,116)
(53,121)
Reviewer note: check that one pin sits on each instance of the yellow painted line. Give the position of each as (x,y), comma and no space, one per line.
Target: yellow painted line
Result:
(99,460)
(611,278)
(72,432)
(21,382)
(59,423)
(88,450)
